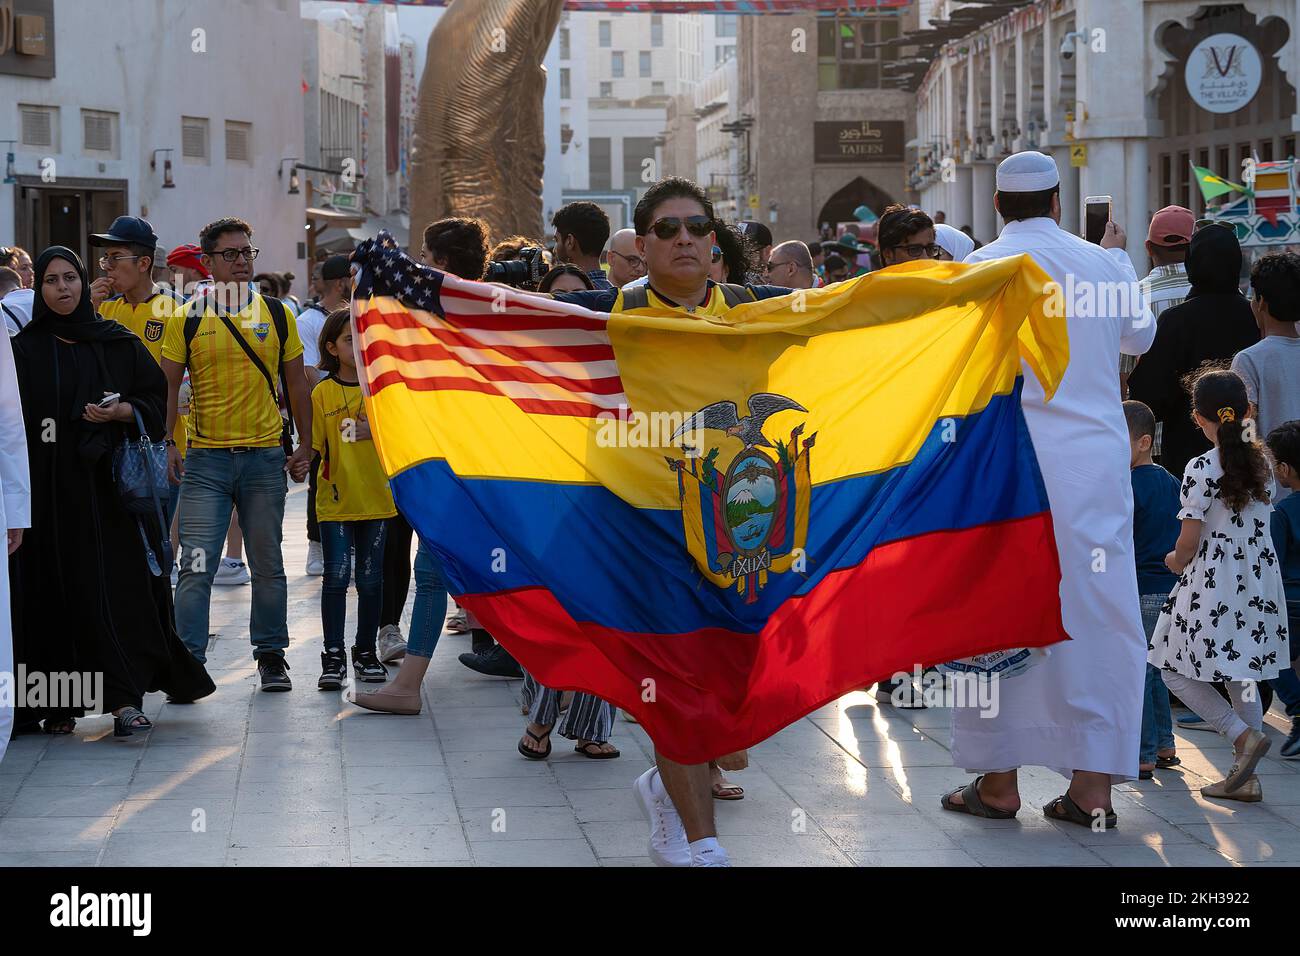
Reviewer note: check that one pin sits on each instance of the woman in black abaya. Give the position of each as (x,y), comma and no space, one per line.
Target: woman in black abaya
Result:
(87,598)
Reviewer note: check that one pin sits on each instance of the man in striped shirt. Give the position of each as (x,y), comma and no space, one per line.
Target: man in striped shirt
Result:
(1166,284)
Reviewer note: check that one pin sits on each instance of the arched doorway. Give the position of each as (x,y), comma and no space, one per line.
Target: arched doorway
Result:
(857,192)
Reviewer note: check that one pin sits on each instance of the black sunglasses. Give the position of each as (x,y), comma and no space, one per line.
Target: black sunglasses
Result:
(670,226)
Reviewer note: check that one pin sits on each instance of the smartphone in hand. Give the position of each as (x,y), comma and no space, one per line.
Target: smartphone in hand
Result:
(109,399)
(1096,213)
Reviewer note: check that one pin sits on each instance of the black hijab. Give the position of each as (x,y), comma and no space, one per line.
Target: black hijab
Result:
(1214,262)
(84,323)
(108,358)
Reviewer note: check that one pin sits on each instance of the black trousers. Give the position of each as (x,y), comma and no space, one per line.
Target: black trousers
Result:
(397,571)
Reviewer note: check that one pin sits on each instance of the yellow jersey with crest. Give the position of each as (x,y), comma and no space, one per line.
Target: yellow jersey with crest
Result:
(231,405)
(148,321)
(351,484)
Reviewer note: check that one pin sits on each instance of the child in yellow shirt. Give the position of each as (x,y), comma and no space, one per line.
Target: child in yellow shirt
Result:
(353,501)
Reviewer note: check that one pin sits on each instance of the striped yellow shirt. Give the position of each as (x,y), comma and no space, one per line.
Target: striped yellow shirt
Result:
(231,404)
(148,321)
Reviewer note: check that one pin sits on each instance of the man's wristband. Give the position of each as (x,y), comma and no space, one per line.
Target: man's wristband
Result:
(171,442)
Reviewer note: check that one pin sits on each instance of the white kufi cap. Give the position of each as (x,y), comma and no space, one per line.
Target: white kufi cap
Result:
(1027,172)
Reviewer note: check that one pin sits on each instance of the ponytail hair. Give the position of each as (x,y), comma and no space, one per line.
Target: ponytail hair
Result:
(1220,396)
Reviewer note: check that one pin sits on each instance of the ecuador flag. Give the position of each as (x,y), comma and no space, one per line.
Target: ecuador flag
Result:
(721,523)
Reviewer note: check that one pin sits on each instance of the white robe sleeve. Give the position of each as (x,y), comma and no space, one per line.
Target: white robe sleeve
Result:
(15,484)
(1138,323)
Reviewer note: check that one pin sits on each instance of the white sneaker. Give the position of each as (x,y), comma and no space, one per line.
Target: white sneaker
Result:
(668,844)
(315,559)
(231,571)
(176,574)
(389,644)
(458,621)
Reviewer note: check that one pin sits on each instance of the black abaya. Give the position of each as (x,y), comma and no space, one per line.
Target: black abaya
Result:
(84,598)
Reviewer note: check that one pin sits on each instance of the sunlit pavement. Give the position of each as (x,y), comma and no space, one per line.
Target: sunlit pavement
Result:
(246,779)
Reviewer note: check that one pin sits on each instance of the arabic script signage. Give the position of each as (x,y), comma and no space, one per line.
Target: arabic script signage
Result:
(1223,73)
(865,141)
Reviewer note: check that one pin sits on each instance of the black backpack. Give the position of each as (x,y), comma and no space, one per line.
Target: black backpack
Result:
(280,319)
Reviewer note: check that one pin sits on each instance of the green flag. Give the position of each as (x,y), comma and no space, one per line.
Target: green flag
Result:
(1212,185)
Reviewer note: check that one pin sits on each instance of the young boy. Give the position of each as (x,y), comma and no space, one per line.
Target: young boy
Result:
(1284,445)
(1271,367)
(1155,531)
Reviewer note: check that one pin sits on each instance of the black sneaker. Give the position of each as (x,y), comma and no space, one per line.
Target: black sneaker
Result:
(496,662)
(481,641)
(333,670)
(366,667)
(272,668)
(1291,746)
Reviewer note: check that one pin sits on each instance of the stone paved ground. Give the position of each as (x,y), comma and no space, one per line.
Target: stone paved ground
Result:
(307,779)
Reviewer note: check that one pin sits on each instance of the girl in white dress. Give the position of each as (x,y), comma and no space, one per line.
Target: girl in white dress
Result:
(1225,619)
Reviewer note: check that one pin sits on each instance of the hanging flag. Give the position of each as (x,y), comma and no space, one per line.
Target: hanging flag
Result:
(722,523)
(1212,185)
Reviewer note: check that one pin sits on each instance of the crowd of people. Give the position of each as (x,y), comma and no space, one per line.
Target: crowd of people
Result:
(243,389)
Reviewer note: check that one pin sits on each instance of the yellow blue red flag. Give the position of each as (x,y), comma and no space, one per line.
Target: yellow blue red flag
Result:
(722,523)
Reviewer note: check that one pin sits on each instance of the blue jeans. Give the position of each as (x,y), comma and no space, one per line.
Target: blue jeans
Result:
(1157,721)
(337,539)
(430,608)
(216,481)
(1286,686)
(169,507)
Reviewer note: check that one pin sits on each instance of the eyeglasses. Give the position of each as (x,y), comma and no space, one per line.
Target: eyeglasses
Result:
(670,226)
(636,262)
(917,250)
(773,264)
(230,255)
(110,262)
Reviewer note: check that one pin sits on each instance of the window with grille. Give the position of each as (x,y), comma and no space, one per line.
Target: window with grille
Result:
(564,43)
(606,33)
(606,89)
(238,142)
(194,139)
(656,29)
(97,131)
(616,62)
(644,63)
(565,89)
(39,125)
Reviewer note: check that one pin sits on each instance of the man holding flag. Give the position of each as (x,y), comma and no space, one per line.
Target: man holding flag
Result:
(631,499)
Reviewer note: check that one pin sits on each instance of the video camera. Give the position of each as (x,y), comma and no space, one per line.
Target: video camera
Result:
(525,271)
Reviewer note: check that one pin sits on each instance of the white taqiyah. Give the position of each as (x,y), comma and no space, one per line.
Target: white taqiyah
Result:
(1027,172)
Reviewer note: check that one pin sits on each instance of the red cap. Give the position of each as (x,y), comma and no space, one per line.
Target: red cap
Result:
(187,257)
(1171,226)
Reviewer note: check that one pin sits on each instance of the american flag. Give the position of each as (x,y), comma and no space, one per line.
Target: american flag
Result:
(430,330)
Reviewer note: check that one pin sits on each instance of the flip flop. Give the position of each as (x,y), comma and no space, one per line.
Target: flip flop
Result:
(1163,763)
(731,791)
(1065,809)
(596,754)
(972,804)
(535,754)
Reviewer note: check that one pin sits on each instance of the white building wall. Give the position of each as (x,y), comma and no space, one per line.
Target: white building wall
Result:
(140,62)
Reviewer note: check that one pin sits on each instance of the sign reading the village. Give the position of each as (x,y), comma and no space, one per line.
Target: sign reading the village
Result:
(1223,73)
(866,141)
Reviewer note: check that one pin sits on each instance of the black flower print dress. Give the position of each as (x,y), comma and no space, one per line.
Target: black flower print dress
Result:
(1225,619)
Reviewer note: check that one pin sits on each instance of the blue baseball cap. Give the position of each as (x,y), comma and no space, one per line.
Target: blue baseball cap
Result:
(124,230)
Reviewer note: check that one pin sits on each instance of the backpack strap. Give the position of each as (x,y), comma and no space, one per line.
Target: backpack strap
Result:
(13,316)
(636,297)
(733,294)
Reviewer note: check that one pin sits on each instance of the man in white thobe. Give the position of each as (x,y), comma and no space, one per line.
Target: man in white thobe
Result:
(15,500)
(1079,711)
